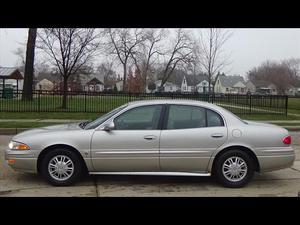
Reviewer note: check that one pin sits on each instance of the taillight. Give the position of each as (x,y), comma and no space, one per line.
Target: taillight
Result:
(287,140)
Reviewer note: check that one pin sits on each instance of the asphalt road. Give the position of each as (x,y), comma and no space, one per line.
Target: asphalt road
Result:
(284,182)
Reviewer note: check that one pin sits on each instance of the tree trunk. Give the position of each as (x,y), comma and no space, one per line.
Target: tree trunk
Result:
(124,76)
(29,65)
(65,93)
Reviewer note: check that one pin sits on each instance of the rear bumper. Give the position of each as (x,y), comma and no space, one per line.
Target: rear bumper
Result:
(275,158)
(24,161)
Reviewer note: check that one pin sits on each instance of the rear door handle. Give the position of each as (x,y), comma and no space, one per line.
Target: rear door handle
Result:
(150,137)
(217,135)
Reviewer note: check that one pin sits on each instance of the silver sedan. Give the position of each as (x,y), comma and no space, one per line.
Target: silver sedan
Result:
(156,137)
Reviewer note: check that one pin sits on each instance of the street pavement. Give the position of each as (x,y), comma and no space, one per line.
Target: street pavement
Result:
(285,182)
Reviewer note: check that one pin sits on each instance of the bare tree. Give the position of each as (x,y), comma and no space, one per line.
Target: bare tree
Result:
(29,65)
(123,42)
(282,74)
(145,56)
(19,52)
(69,50)
(109,75)
(179,53)
(211,45)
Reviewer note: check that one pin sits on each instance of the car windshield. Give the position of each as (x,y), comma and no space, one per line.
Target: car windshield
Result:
(103,118)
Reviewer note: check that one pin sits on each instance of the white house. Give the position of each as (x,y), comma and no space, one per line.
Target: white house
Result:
(44,84)
(189,83)
(230,84)
(202,87)
(168,87)
(119,85)
(94,85)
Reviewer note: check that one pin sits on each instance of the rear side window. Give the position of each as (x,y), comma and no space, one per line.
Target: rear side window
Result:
(214,119)
(183,117)
(187,117)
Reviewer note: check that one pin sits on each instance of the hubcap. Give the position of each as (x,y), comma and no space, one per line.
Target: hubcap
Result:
(234,169)
(61,167)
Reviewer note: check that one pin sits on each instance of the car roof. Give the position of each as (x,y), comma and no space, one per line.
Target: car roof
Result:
(172,101)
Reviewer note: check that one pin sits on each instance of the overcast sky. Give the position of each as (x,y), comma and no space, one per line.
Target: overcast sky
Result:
(247,47)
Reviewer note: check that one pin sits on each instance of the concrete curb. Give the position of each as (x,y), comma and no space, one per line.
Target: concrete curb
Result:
(12,131)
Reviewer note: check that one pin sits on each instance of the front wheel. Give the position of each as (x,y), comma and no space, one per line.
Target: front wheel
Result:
(61,167)
(234,168)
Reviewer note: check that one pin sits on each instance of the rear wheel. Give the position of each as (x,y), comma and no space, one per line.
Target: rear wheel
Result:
(61,167)
(234,168)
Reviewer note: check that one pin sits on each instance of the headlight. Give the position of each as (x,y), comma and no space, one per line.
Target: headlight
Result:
(13,145)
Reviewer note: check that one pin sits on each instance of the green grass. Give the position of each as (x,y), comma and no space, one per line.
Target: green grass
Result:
(294,104)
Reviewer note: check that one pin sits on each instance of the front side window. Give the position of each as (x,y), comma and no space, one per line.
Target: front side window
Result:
(140,118)
(187,117)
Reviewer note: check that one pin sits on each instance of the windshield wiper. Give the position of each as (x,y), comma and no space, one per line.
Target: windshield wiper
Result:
(83,124)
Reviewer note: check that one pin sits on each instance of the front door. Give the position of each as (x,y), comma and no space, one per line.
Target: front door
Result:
(133,146)
(190,136)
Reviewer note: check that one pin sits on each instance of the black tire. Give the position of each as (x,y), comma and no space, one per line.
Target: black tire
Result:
(77,164)
(218,166)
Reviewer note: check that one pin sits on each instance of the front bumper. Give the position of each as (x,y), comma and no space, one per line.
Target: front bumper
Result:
(24,161)
(275,158)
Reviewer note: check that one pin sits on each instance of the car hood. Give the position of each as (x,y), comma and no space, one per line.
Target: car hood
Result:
(52,128)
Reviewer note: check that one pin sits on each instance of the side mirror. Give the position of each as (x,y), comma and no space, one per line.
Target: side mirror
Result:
(108,127)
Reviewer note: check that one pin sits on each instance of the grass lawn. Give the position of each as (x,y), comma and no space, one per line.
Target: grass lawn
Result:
(101,104)
(294,104)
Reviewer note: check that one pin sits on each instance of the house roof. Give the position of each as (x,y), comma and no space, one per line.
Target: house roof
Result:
(230,81)
(53,77)
(194,80)
(262,83)
(10,73)
(94,81)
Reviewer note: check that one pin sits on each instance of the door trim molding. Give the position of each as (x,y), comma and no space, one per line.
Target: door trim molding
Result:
(197,174)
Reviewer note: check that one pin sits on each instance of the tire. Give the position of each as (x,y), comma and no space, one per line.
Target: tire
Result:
(73,170)
(241,176)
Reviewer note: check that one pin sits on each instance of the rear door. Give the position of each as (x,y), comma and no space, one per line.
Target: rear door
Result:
(189,137)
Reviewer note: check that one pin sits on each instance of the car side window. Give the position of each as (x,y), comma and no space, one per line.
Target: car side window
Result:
(214,119)
(184,116)
(140,118)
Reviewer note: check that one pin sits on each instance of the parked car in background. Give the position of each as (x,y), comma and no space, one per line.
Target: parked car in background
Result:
(157,137)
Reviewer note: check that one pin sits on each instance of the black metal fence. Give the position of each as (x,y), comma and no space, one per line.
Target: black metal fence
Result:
(50,101)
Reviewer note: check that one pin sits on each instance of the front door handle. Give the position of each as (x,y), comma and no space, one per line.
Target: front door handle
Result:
(217,135)
(150,137)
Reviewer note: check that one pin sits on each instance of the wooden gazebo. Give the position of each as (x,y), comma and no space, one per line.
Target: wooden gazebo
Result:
(10,73)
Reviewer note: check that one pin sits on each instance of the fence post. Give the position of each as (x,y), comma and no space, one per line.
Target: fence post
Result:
(39,100)
(85,101)
(250,103)
(286,105)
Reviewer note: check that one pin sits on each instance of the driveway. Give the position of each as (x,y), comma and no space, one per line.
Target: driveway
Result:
(284,182)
